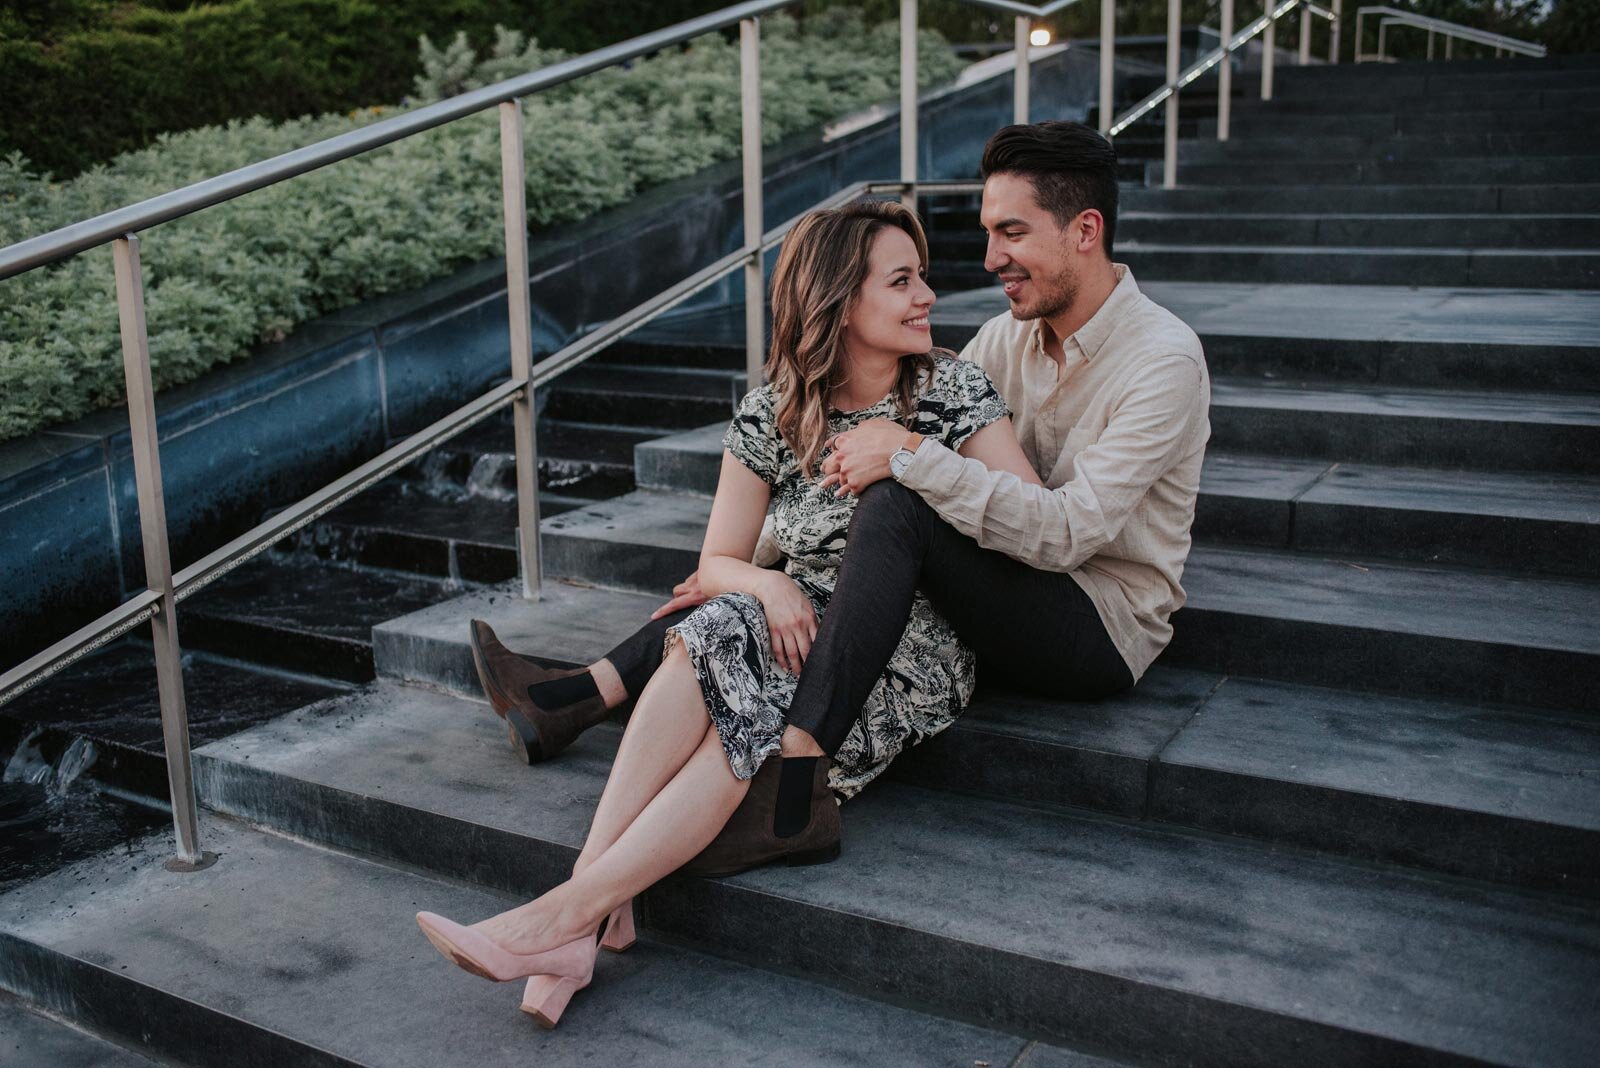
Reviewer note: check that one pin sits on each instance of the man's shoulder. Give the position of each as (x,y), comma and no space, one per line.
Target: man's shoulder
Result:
(1161,333)
(997,340)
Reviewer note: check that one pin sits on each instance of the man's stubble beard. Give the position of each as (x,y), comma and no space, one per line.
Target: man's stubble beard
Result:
(1055,297)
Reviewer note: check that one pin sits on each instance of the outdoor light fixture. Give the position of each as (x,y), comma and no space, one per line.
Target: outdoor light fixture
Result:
(1039,38)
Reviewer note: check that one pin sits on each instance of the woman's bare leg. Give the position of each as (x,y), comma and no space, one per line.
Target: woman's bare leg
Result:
(675,826)
(667,724)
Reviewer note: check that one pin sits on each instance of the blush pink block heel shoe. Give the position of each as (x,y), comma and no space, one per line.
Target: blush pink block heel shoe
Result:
(546,996)
(619,928)
(481,955)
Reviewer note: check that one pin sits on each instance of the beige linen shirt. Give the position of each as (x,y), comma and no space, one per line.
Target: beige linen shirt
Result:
(1117,433)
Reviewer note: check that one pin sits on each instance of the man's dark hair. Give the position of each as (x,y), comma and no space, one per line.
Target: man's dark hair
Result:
(1072,168)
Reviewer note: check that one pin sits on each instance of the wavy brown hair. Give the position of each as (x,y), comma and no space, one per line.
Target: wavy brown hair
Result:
(814,286)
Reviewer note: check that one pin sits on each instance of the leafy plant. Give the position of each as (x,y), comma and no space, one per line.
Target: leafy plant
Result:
(220,281)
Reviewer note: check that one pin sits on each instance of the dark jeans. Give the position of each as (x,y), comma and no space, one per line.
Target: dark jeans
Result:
(1034,631)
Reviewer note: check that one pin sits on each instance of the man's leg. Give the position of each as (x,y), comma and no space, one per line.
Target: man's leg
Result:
(1032,629)
(635,659)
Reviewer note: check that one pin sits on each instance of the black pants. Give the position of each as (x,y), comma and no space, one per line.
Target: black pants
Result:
(1034,631)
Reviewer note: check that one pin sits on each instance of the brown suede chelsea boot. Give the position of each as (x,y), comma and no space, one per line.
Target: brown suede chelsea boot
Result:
(751,837)
(536,733)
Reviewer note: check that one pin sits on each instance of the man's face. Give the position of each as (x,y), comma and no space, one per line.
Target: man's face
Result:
(1029,251)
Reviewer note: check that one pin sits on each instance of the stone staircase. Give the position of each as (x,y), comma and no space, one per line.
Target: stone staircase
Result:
(1351,816)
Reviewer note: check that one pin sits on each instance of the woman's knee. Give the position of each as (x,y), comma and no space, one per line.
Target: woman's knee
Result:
(888,508)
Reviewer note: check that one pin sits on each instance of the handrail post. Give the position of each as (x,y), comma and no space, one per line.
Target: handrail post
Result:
(1305,35)
(514,193)
(1020,109)
(1269,42)
(1430,46)
(755,318)
(1169,155)
(1449,39)
(1383,30)
(908,102)
(1333,34)
(1225,73)
(1108,48)
(157,558)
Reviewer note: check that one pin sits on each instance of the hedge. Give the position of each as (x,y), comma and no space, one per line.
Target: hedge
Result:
(223,280)
(99,78)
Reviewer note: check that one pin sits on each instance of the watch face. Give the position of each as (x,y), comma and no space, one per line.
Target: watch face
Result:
(898,461)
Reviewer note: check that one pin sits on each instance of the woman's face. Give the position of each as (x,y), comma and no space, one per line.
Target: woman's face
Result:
(890,313)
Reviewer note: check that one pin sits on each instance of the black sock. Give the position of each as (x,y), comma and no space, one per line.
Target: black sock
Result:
(558,693)
(793,812)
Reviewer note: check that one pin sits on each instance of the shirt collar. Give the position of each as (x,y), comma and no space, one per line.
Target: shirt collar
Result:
(1092,335)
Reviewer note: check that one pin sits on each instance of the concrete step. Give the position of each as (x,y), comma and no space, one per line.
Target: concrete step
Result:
(1544,268)
(1348,198)
(1373,627)
(1372,230)
(293,954)
(1465,98)
(29,1039)
(1553,433)
(1382,124)
(629,394)
(1327,147)
(1356,623)
(1390,335)
(1515,522)
(1352,774)
(1418,83)
(1461,170)
(1321,73)
(303,614)
(1225,936)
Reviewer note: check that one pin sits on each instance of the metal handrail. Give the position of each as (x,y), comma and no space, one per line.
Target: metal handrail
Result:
(1211,59)
(1452,31)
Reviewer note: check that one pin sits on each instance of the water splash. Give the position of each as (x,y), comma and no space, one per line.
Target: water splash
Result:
(28,764)
(491,474)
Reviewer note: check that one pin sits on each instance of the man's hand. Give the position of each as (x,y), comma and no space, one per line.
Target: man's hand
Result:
(791,620)
(685,594)
(860,456)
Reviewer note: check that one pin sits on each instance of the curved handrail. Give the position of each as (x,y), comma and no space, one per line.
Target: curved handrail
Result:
(1394,16)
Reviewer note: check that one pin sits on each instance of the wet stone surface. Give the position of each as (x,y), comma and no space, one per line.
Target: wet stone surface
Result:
(98,725)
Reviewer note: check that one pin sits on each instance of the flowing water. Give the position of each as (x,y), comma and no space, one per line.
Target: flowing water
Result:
(52,813)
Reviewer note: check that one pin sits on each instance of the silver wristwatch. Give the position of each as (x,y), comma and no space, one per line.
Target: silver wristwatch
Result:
(899,460)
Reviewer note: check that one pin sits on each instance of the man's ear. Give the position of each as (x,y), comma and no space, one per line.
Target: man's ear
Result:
(1090,230)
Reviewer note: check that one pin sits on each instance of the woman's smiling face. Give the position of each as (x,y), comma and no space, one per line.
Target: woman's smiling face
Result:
(889,315)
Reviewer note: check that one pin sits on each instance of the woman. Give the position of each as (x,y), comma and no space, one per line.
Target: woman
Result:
(851,342)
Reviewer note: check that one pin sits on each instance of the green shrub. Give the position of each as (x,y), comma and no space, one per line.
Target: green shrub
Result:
(222,280)
(100,77)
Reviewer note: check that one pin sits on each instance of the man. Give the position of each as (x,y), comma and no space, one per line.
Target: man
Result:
(1064,589)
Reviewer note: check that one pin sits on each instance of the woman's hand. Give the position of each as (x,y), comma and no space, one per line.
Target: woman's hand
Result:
(860,456)
(791,620)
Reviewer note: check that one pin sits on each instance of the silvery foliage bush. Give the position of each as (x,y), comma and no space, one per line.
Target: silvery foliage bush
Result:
(220,281)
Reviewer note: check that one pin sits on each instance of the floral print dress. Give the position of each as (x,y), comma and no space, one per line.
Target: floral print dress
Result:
(931,675)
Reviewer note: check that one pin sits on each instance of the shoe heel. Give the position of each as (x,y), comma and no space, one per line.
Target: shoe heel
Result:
(545,998)
(813,856)
(619,928)
(524,737)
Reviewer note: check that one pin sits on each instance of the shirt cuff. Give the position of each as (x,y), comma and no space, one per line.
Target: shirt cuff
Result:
(934,467)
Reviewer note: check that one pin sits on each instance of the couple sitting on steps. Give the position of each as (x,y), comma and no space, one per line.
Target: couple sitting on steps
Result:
(1025,507)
